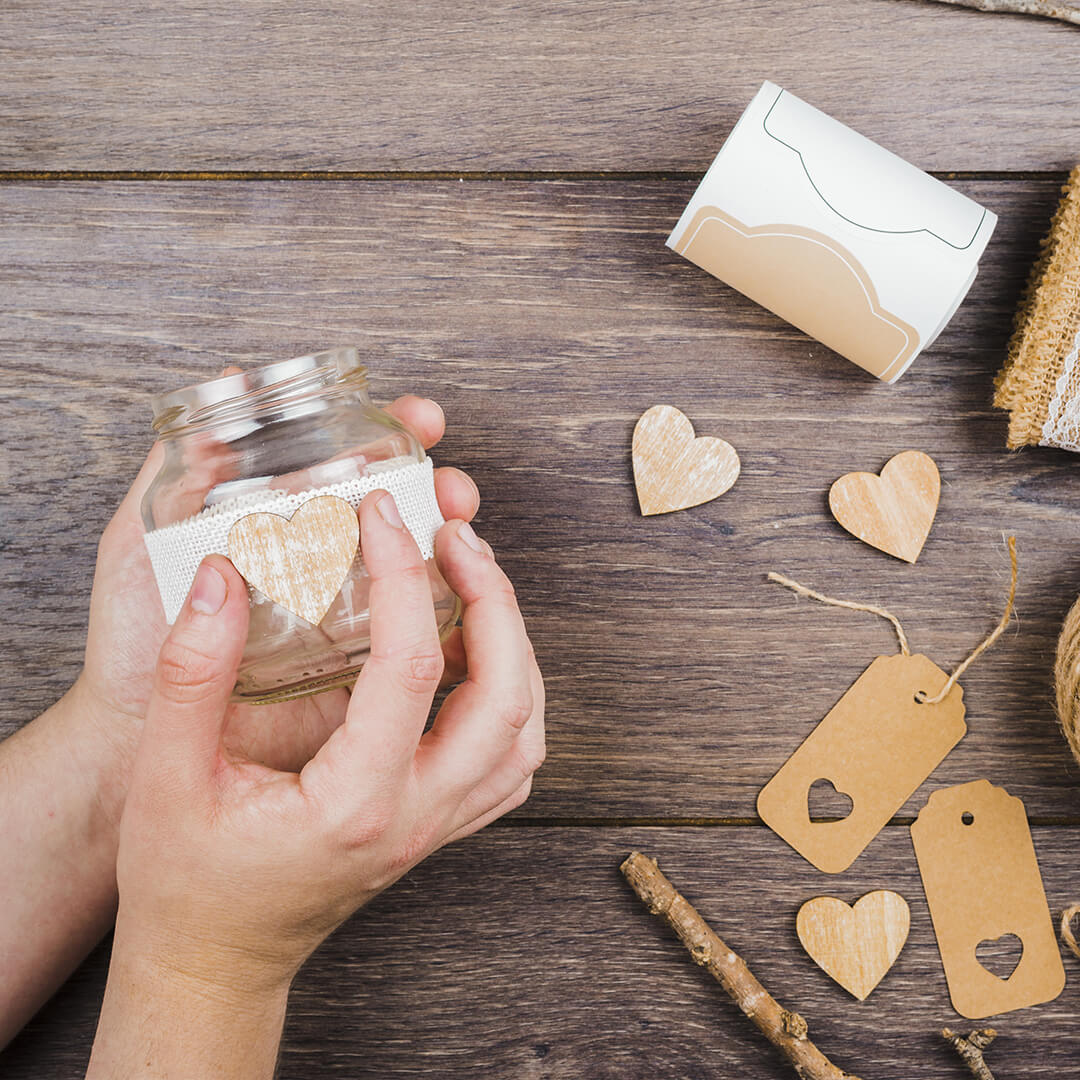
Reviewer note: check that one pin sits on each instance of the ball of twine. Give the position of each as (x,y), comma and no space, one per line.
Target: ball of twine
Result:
(1067,678)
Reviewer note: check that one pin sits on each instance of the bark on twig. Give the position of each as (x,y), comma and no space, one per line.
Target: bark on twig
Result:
(785,1030)
(1066,12)
(971,1050)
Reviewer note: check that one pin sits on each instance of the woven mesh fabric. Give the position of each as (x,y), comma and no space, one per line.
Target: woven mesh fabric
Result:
(176,550)
(1034,377)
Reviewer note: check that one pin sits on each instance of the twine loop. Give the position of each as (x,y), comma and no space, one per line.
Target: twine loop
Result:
(905,649)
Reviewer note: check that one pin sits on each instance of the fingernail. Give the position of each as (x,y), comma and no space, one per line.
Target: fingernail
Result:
(466,533)
(432,401)
(388,511)
(476,490)
(208,591)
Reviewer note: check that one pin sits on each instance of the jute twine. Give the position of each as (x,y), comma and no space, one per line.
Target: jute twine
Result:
(1067,678)
(901,637)
(1067,694)
(1046,325)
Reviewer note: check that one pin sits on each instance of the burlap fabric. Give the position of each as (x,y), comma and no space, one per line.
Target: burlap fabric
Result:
(1040,382)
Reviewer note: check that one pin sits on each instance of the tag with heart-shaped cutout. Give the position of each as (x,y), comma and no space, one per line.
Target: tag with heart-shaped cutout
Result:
(299,562)
(855,945)
(673,470)
(892,512)
(876,745)
(983,885)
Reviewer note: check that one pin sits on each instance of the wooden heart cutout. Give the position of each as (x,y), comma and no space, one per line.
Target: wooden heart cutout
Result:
(855,945)
(892,512)
(299,562)
(674,470)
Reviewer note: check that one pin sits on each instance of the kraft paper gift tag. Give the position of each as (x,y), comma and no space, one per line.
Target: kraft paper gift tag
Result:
(833,233)
(876,745)
(982,881)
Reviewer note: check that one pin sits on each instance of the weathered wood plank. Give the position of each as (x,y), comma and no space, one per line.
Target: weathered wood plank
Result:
(522,953)
(547,317)
(189,84)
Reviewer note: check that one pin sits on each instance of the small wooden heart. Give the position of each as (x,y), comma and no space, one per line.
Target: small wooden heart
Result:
(672,469)
(298,562)
(894,511)
(855,945)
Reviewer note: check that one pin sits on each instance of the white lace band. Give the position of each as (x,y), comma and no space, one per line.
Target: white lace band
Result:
(176,550)
(1062,425)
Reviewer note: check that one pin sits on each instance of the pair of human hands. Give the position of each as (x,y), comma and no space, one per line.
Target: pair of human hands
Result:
(249,832)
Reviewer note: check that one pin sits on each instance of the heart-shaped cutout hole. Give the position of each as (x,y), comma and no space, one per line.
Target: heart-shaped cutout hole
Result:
(1000,956)
(825,803)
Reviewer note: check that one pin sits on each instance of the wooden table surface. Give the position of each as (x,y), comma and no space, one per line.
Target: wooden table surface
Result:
(478,197)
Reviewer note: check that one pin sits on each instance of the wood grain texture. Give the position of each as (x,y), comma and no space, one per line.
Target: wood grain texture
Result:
(546,317)
(892,511)
(551,85)
(301,561)
(522,953)
(855,944)
(673,470)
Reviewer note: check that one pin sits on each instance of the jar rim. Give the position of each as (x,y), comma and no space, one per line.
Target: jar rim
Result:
(208,401)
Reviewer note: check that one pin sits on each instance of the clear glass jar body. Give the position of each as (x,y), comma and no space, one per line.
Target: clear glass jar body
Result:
(286,428)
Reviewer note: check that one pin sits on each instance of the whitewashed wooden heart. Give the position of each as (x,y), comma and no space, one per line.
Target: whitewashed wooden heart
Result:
(298,562)
(894,511)
(674,470)
(855,945)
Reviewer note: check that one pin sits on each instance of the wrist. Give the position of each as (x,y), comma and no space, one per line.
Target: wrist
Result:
(199,966)
(102,743)
(183,1011)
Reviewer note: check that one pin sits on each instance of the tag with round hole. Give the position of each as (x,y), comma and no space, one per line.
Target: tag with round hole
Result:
(982,883)
(877,744)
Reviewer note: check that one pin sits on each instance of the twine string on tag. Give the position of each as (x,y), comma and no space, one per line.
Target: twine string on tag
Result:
(802,590)
(990,638)
(1067,934)
(979,649)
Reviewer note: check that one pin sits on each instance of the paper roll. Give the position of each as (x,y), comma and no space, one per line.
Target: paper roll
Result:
(833,233)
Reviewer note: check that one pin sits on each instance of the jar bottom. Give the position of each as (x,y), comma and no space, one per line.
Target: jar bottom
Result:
(328,666)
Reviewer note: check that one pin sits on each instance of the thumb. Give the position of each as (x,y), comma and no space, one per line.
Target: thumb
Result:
(196,671)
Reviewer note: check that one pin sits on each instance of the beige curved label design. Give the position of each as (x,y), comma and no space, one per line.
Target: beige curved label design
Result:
(806,278)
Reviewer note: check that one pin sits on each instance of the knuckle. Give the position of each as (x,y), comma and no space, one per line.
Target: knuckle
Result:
(185,676)
(420,672)
(529,760)
(367,828)
(515,711)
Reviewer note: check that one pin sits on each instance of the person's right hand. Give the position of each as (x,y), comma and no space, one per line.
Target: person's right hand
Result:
(230,872)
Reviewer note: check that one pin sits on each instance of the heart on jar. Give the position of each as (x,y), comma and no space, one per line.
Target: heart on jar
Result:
(674,470)
(299,562)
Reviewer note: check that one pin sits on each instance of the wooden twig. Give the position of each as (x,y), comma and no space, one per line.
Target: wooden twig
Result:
(785,1030)
(1066,12)
(971,1050)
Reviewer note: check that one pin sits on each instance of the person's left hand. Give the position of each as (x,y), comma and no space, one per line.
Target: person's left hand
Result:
(127,627)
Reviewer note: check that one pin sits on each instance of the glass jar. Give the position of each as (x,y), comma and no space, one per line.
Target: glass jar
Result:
(268,440)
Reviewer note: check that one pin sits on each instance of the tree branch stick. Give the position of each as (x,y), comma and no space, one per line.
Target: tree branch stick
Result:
(971,1050)
(785,1030)
(1066,12)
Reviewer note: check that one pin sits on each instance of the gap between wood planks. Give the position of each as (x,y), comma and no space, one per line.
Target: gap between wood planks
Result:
(17,176)
(622,822)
